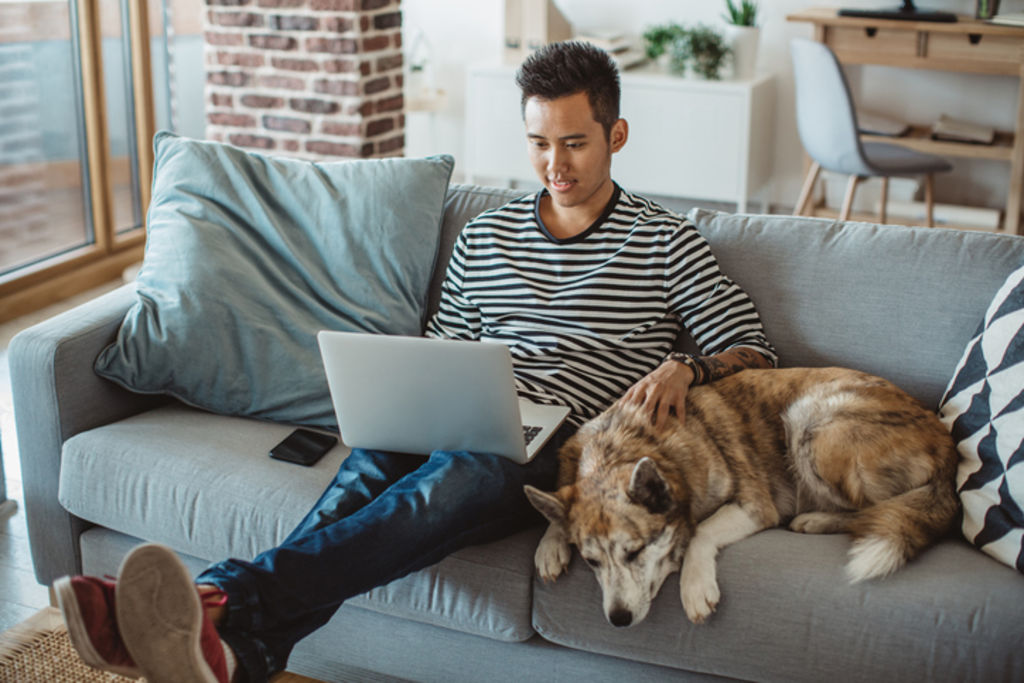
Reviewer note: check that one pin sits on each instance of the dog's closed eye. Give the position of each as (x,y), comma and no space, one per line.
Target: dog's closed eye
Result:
(593,562)
(632,556)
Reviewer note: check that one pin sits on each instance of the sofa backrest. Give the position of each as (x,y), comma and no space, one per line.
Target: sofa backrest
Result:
(463,204)
(894,301)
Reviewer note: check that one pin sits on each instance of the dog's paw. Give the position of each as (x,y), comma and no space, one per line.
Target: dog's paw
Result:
(553,554)
(699,592)
(820,523)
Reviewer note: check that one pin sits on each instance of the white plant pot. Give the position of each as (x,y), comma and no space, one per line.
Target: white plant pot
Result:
(744,41)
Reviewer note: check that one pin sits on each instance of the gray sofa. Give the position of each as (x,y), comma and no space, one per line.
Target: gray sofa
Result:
(104,468)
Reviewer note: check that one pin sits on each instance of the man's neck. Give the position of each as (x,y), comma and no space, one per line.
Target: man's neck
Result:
(569,221)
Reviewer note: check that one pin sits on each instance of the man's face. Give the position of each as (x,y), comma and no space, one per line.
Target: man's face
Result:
(569,150)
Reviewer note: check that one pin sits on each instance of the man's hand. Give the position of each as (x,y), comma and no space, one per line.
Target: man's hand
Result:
(662,389)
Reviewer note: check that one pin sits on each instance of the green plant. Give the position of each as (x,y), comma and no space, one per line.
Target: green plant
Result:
(657,39)
(705,48)
(742,13)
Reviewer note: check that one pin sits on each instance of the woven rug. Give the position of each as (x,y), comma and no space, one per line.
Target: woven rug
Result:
(38,650)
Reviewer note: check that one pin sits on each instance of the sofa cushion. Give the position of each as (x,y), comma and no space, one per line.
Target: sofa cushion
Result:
(204,485)
(248,256)
(893,301)
(984,410)
(788,614)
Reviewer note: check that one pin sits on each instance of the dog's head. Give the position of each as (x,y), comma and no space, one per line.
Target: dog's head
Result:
(625,517)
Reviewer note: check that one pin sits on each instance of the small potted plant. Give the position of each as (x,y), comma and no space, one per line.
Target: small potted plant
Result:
(743,13)
(742,35)
(658,42)
(704,49)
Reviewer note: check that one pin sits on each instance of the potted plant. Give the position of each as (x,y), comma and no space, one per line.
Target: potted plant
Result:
(658,41)
(742,14)
(704,49)
(742,35)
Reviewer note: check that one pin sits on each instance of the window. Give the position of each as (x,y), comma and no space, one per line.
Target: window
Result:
(83,86)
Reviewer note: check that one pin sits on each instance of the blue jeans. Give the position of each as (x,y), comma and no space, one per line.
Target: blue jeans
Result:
(384,515)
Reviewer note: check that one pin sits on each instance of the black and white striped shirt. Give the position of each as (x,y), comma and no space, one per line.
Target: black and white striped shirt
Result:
(587,317)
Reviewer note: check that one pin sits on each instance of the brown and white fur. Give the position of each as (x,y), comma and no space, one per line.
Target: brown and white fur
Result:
(827,450)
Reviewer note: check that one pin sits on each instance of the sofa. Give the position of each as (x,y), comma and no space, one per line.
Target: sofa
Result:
(105,468)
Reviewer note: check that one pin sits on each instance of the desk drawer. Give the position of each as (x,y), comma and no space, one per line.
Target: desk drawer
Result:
(990,54)
(858,45)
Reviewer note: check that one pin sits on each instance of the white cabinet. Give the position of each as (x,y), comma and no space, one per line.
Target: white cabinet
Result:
(687,138)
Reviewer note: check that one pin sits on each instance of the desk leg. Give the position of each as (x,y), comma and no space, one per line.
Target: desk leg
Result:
(1012,225)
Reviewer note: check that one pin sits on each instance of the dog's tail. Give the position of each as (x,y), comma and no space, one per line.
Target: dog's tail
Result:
(891,532)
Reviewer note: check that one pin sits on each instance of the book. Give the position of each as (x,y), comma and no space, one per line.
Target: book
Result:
(609,41)
(1013,19)
(948,128)
(628,58)
(880,124)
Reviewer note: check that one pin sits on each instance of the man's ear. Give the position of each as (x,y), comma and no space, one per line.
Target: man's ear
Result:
(547,504)
(620,133)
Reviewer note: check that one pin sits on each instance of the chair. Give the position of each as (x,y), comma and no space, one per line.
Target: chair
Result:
(828,130)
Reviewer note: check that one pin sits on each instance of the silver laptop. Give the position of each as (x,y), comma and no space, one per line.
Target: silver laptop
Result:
(417,395)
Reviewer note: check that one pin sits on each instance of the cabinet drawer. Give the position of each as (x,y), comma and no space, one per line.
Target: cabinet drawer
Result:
(857,45)
(989,53)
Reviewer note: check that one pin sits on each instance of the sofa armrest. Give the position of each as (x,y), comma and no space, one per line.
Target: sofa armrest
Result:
(57,395)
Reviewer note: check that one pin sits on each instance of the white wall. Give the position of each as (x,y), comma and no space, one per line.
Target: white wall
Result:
(916,96)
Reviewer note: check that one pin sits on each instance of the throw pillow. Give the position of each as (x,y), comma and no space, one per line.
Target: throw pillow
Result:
(248,256)
(984,409)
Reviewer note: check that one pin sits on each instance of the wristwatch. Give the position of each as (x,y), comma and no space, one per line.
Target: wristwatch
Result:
(694,362)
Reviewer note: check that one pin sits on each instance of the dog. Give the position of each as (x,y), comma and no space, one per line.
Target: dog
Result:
(828,450)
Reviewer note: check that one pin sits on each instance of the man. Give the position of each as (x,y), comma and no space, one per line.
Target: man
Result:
(586,283)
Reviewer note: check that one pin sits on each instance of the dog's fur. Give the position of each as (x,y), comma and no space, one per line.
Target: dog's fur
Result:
(829,450)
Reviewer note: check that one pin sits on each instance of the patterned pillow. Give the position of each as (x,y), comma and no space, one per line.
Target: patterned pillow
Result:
(984,409)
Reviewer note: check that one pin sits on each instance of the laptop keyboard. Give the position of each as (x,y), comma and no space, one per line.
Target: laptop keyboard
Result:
(530,432)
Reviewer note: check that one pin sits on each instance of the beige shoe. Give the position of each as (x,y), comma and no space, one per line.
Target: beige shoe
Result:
(162,620)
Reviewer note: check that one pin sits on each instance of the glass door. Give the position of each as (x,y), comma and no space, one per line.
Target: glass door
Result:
(84,84)
(44,210)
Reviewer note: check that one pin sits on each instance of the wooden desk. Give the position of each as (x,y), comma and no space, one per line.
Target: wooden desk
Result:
(969,46)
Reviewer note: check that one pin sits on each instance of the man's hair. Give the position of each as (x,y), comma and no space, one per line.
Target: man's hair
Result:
(563,69)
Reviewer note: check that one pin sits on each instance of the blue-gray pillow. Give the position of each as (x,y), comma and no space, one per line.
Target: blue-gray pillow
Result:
(248,256)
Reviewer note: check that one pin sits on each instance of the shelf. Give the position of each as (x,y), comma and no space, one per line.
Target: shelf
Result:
(919,139)
(821,211)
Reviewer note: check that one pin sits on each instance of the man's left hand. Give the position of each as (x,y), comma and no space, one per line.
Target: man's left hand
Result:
(663,389)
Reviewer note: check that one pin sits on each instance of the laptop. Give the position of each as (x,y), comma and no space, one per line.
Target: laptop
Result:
(418,395)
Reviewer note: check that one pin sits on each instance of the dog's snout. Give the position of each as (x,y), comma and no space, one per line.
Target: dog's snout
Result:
(620,616)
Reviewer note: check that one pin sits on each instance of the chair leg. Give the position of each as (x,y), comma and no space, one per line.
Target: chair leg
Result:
(883,200)
(807,189)
(929,201)
(851,189)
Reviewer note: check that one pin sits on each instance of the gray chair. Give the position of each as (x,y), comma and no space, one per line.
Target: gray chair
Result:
(828,129)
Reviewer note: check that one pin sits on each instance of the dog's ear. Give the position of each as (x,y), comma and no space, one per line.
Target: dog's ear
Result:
(648,488)
(547,504)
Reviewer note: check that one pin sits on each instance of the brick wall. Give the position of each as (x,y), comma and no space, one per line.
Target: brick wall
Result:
(316,79)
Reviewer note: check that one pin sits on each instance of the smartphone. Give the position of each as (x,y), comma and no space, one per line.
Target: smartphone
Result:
(303,447)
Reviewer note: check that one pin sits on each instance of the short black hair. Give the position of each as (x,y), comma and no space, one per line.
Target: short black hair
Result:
(570,67)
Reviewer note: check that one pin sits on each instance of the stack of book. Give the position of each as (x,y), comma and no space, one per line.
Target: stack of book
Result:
(621,49)
(948,128)
(1012,19)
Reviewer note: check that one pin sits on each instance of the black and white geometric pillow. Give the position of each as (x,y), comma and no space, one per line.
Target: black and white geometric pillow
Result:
(984,410)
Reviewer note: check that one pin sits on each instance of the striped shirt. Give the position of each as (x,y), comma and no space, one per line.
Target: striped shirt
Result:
(587,317)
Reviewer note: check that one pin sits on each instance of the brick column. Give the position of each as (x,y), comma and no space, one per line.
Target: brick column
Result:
(317,79)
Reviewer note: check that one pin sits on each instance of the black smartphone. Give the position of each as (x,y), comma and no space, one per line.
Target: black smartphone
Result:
(303,447)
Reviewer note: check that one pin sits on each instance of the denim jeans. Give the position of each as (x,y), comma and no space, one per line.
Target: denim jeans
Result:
(383,516)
